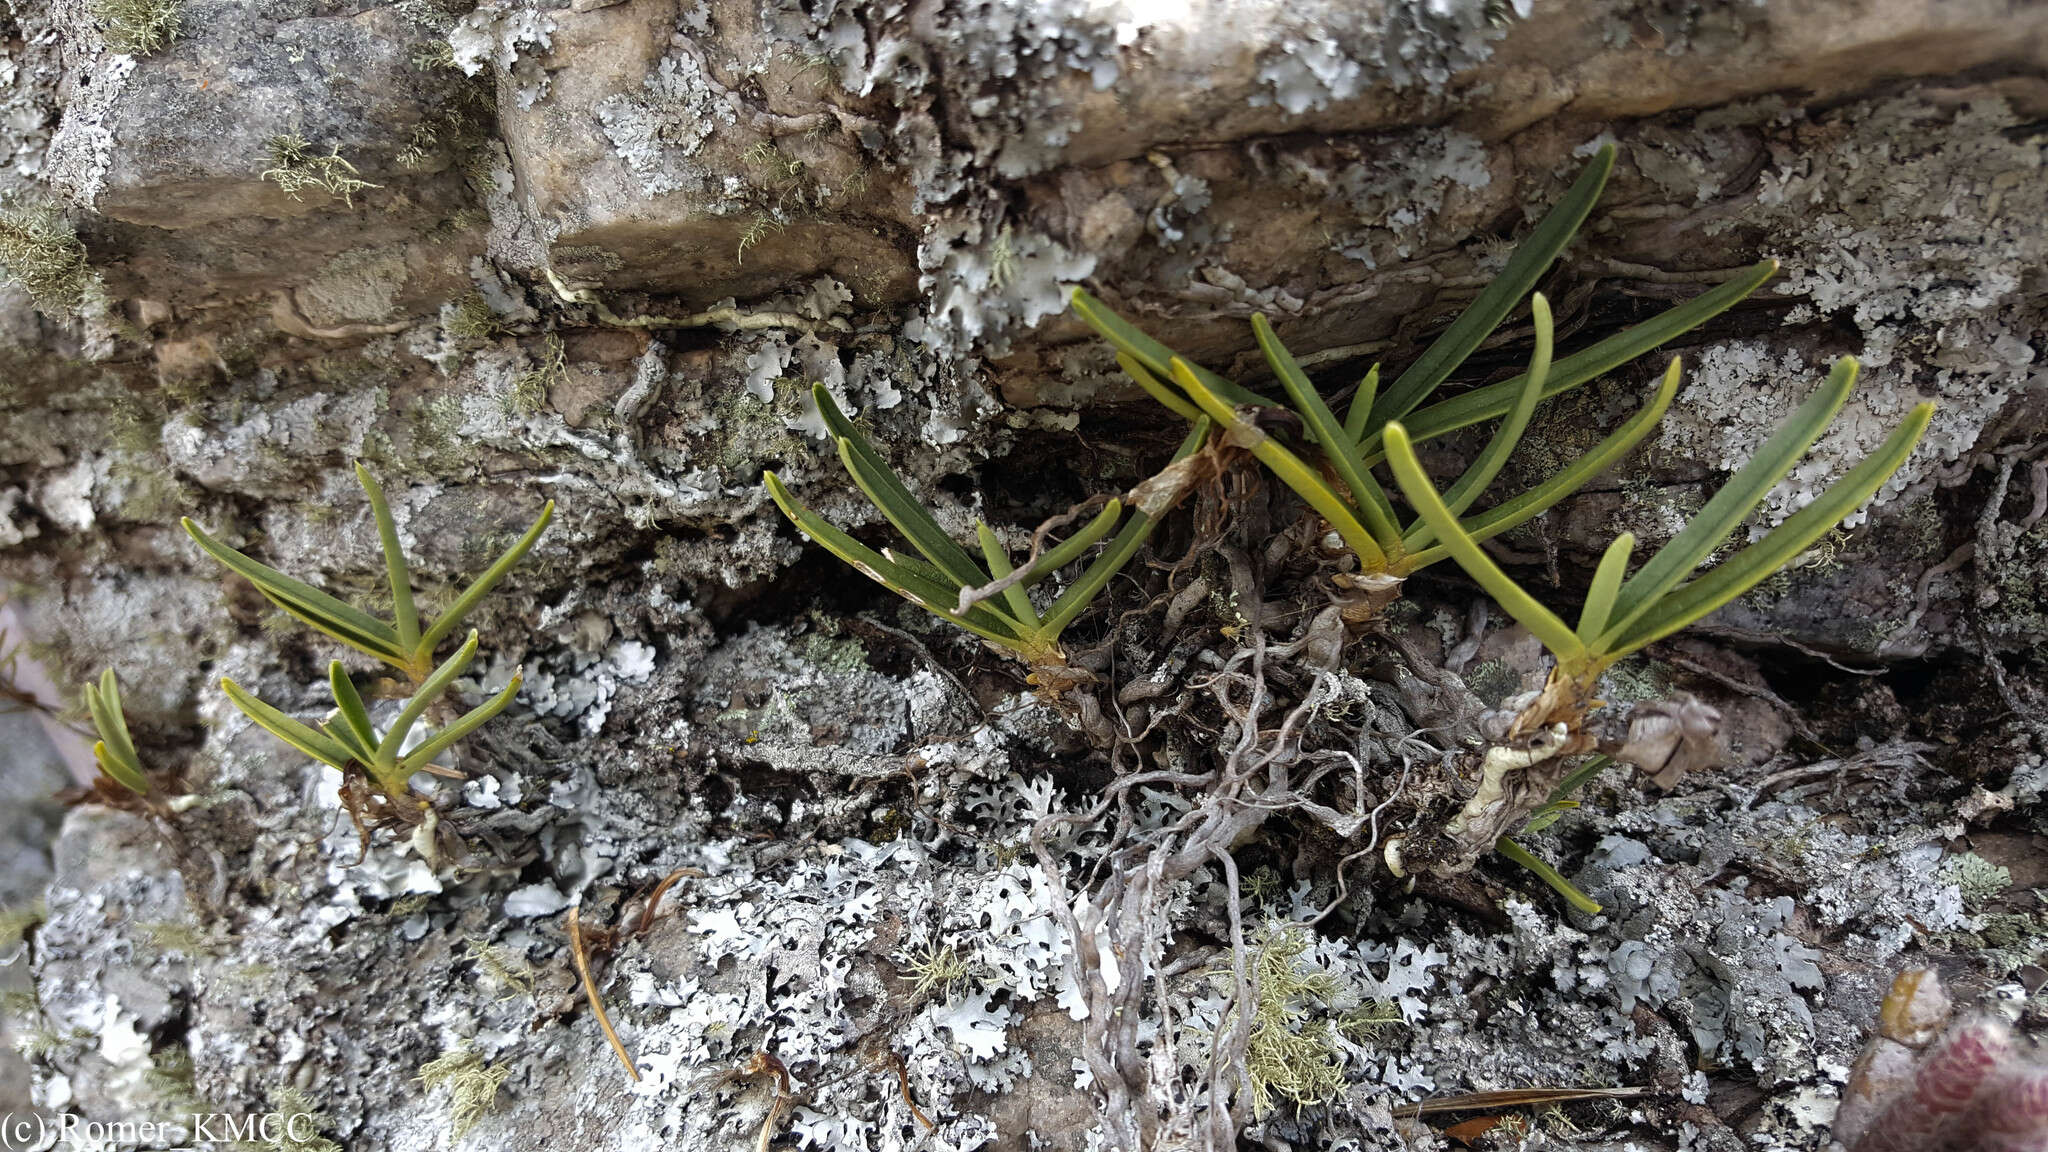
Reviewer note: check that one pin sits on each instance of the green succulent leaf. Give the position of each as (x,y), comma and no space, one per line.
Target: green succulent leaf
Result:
(1157,358)
(319,745)
(1569,479)
(1544,624)
(1356,416)
(999,566)
(1482,404)
(1069,550)
(1468,488)
(423,697)
(408,621)
(1727,508)
(1286,465)
(354,716)
(921,588)
(469,722)
(1605,587)
(481,587)
(1156,388)
(1368,498)
(115,749)
(888,493)
(1531,259)
(1796,534)
(1544,872)
(1136,531)
(308,604)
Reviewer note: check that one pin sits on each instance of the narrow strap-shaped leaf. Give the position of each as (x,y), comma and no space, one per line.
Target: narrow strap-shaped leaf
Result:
(111,719)
(469,722)
(1156,357)
(429,690)
(481,587)
(1796,534)
(923,530)
(1156,388)
(918,566)
(1531,259)
(128,776)
(1570,479)
(877,476)
(930,595)
(351,626)
(1096,576)
(1727,508)
(887,492)
(912,520)
(1467,488)
(1355,418)
(353,714)
(924,586)
(1571,371)
(1606,584)
(402,610)
(1069,550)
(1577,779)
(1289,467)
(1339,449)
(999,566)
(338,731)
(318,745)
(1544,624)
(1544,872)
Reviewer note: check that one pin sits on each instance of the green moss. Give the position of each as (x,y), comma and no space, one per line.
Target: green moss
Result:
(435,424)
(529,394)
(1493,681)
(501,967)
(16,922)
(180,937)
(835,654)
(471,318)
(1635,679)
(138,27)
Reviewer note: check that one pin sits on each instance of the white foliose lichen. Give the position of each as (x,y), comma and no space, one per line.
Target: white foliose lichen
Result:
(1910,219)
(1402,43)
(985,283)
(491,36)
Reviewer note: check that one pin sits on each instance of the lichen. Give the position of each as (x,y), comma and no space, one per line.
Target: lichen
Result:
(295,167)
(472,1086)
(138,27)
(1291,1053)
(40,251)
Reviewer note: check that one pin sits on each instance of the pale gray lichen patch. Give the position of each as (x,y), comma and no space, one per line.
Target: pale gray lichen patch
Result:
(1401,43)
(985,283)
(659,131)
(1910,218)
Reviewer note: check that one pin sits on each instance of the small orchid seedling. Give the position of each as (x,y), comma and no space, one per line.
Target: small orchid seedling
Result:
(115,749)
(347,740)
(993,602)
(1622,614)
(406,643)
(1337,480)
